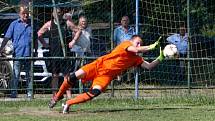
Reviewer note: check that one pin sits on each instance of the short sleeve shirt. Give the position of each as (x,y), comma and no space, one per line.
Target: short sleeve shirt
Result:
(83,44)
(181,42)
(20,34)
(120,35)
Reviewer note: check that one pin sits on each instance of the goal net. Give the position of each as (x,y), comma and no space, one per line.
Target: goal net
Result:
(192,72)
(195,70)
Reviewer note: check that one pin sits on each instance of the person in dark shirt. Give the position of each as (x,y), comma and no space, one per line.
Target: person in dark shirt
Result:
(55,47)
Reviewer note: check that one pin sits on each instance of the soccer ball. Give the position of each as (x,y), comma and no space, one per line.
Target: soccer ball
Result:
(170,51)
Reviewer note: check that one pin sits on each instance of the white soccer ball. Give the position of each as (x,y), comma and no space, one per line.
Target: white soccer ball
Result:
(170,51)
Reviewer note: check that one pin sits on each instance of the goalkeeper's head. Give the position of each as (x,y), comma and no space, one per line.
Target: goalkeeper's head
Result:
(137,40)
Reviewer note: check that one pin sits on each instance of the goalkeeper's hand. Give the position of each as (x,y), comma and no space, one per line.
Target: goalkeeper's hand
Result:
(161,56)
(156,44)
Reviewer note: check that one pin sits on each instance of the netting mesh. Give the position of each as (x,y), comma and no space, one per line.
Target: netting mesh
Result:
(100,41)
(165,17)
(156,18)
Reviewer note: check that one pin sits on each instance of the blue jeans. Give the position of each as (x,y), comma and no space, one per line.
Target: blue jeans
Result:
(16,75)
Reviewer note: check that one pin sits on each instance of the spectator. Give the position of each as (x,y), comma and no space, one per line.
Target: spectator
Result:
(181,41)
(55,48)
(80,44)
(20,32)
(82,34)
(123,32)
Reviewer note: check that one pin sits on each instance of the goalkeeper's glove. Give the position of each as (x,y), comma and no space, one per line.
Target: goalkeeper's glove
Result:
(156,44)
(161,56)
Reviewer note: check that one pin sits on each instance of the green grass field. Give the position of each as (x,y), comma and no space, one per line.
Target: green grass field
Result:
(171,109)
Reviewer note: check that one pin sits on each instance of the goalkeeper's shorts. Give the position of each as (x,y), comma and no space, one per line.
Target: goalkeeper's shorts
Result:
(92,75)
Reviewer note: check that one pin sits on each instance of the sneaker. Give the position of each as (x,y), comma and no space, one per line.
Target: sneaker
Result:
(54,101)
(65,108)
(29,96)
(13,96)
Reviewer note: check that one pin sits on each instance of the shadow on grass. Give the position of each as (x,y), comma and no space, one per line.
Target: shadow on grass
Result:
(129,109)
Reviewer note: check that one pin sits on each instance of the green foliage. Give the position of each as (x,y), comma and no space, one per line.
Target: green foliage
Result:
(97,11)
(208,30)
(201,17)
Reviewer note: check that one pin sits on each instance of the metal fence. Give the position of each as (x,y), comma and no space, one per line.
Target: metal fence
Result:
(182,75)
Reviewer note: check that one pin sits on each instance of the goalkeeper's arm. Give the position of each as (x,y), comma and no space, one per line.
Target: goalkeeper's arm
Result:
(154,63)
(149,47)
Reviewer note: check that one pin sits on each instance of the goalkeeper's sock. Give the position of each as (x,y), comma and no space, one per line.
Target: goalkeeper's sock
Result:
(65,86)
(80,99)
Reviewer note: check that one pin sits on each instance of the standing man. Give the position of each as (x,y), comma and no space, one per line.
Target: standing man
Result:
(81,40)
(82,34)
(123,32)
(55,47)
(20,32)
(181,41)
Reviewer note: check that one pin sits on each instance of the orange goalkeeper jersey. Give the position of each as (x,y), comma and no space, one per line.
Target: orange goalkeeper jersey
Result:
(118,60)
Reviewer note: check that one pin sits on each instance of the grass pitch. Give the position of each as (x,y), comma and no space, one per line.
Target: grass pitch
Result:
(111,109)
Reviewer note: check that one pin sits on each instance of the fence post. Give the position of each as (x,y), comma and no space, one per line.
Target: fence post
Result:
(32,50)
(136,72)
(112,29)
(188,49)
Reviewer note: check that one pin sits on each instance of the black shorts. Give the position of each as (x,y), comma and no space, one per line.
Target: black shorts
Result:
(60,66)
(57,66)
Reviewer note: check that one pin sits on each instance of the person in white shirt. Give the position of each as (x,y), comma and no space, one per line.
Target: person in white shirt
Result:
(81,40)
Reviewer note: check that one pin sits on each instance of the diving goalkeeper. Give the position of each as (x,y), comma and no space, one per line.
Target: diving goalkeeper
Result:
(105,69)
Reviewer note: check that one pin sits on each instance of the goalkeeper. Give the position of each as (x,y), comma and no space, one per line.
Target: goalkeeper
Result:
(105,69)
